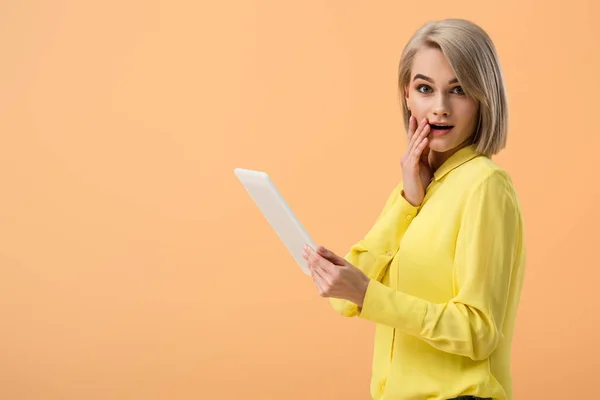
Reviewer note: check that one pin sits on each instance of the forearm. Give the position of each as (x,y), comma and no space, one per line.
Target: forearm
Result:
(453,327)
(375,251)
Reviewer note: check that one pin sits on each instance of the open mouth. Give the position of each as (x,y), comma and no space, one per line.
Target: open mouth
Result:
(438,130)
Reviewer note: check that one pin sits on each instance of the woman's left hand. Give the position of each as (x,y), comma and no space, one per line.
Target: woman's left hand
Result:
(335,277)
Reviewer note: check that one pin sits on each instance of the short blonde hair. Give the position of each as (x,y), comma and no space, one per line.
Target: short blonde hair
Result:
(473,57)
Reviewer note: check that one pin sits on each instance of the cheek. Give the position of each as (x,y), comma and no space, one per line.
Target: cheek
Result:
(418,108)
(467,113)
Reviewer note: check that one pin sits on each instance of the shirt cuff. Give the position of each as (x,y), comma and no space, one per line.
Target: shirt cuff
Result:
(387,306)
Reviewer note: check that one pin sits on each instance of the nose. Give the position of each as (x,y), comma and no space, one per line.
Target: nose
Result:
(441,107)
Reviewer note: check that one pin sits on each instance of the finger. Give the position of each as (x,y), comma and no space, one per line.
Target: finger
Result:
(426,151)
(320,279)
(414,132)
(319,263)
(309,261)
(416,139)
(412,127)
(416,150)
(308,255)
(423,133)
(320,282)
(419,149)
(331,256)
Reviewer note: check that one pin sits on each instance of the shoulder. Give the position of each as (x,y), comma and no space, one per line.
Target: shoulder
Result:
(488,181)
(483,171)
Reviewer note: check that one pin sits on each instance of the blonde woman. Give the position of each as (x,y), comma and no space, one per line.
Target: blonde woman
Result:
(441,270)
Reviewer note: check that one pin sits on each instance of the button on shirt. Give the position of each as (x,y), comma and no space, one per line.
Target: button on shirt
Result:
(446,279)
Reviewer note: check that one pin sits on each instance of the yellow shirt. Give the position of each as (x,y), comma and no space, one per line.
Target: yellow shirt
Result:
(446,280)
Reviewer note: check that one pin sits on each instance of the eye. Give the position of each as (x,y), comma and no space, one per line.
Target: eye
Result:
(424,89)
(458,90)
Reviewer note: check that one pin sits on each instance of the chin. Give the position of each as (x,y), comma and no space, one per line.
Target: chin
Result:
(441,144)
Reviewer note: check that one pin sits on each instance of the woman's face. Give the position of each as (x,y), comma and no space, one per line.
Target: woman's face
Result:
(434,93)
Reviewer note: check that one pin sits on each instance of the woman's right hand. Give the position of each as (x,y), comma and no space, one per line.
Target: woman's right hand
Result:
(416,171)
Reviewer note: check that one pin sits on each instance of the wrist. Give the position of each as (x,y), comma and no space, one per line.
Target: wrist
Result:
(410,201)
(362,291)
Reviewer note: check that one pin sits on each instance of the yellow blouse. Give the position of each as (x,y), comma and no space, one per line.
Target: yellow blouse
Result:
(446,280)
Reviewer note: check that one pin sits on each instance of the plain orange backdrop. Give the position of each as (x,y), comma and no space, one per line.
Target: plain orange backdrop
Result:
(133,265)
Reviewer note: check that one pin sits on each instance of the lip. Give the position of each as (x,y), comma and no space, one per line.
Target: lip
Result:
(441,132)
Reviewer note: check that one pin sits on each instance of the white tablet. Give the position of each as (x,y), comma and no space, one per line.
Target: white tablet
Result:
(278,213)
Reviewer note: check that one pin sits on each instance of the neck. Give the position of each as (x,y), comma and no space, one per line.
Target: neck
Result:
(437,158)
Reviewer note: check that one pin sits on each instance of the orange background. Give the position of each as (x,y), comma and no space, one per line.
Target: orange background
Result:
(133,265)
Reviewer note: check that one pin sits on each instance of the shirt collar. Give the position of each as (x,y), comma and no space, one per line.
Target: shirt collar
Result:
(463,155)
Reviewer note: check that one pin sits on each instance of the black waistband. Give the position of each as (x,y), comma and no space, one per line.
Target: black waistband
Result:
(471,398)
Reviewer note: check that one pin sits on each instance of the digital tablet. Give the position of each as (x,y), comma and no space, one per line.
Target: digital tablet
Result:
(278,213)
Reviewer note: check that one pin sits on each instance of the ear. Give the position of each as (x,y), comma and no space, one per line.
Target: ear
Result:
(406,96)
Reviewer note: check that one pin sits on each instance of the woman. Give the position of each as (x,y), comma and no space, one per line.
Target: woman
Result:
(441,270)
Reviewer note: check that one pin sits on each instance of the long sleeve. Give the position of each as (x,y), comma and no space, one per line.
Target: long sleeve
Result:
(375,251)
(488,244)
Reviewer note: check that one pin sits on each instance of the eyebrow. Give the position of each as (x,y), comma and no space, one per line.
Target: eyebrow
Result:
(428,79)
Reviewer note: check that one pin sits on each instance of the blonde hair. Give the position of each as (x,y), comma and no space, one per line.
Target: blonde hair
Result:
(473,57)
